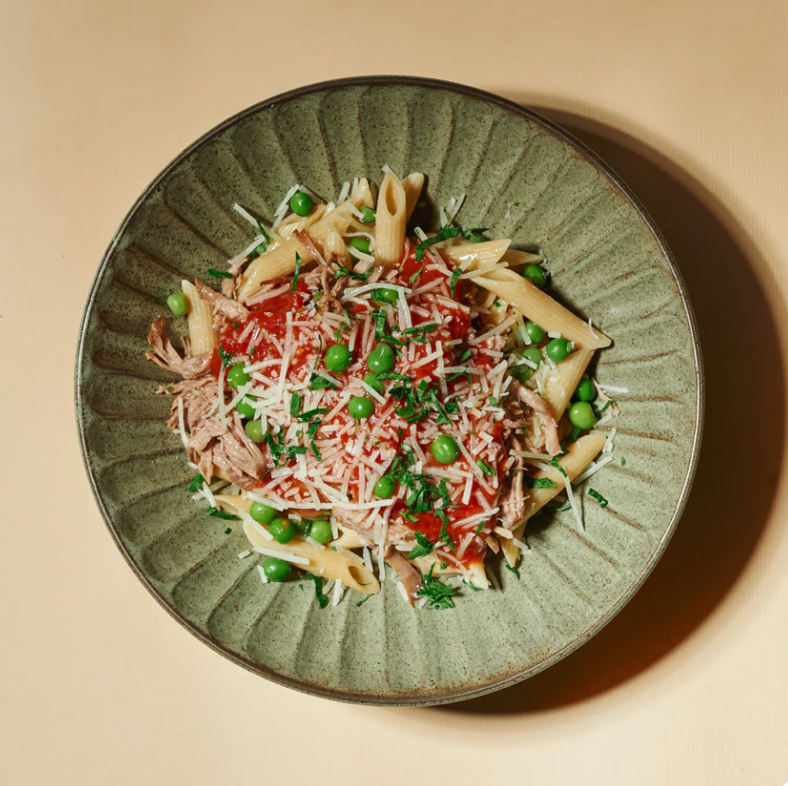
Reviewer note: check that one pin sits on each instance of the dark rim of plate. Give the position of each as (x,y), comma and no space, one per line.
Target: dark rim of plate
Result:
(415,698)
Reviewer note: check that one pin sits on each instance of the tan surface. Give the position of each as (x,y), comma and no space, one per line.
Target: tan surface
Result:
(688,686)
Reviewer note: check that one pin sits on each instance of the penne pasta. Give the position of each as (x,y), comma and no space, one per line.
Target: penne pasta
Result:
(559,388)
(328,564)
(363,194)
(412,185)
(520,258)
(293,223)
(471,256)
(390,221)
(541,308)
(200,321)
(578,456)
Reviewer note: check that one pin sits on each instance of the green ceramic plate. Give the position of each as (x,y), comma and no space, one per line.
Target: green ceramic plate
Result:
(525,179)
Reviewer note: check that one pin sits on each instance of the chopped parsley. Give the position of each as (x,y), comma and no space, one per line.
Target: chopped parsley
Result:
(295,404)
(412,279)
(363,600)
(321,383)
(263,245)
(423,548)
(554,463)
(471,586)
(513,570)
(475,235)
(322,600)
(225,356)
(197,481)
(485,468)
(219,273)
(236,326)
(296,273)
(623,462)
(343,271)
(412,331)
(480,528)
(540,483)
(227,531)
(438,594)
(598,497)
(220,514)
(444,564)
(455,277)
(444,234)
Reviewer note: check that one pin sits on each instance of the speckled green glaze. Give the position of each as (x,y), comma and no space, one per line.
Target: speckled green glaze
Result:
(608,262)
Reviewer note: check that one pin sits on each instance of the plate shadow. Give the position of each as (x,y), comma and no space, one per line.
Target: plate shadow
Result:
(729,506)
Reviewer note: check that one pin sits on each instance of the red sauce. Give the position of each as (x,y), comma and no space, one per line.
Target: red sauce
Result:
(270,315)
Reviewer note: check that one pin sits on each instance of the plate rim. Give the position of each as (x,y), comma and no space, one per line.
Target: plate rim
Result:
(415,698)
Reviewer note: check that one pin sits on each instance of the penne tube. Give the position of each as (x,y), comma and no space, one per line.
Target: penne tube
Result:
(538,306)
(200,320)
(578,456)
(363,194)
(337,248)
(279,259)
(340,566)
(412,184)
(559,388)
(519,258)
(390,221)
(293,223)
(471,256)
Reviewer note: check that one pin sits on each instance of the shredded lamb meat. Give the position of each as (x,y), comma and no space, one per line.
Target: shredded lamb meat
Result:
(165,355)
(220,304)
(538,404)
(409,575)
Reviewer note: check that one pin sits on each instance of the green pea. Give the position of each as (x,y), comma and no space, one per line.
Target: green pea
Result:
(445,449)
(338,357)
(321,531)
(301,525)
(254,430)
(245,407)
(385,487)
(178,304)
(276,569)
(381,359)
(367,215)
(557,350)
(261,512)
(535,333)
(236,376)
(282,530)
(524,371)
(386,295)
(360,407)
(375,383)
(360,244)
(535,275)
(582,415)
(301,204)
(585,390)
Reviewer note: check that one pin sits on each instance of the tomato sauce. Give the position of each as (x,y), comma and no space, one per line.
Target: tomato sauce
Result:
(271,316)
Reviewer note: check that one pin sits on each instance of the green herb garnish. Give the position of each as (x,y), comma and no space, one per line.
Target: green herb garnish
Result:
(343,271)
(424,547)
(197,481)
(364,600)
(219,273)
(322,600)
(598,497)
(438,594)
(295,404)
(485,468)
(412,279)
(444,234)
(540,483)
(220,514)
(297,271)
(225,356)
(455,277)
(513,570)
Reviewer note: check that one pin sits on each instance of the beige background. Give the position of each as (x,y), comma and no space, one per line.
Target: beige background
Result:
(689,100)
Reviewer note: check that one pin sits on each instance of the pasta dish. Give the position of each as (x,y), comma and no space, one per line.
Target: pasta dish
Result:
(368,402)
